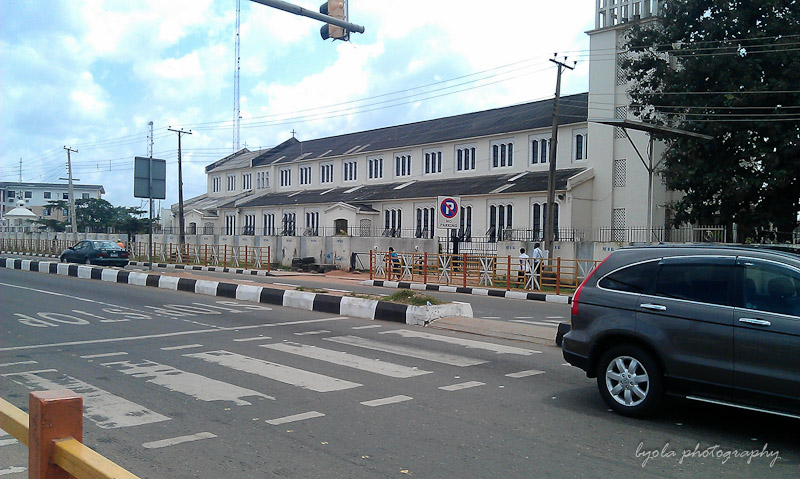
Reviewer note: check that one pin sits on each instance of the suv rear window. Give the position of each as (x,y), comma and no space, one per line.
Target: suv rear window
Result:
(701,282)
(632,279)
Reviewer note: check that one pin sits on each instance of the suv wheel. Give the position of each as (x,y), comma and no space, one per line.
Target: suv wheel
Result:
(630,380)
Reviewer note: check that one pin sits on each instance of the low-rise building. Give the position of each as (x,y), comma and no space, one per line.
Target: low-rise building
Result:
(37,196)
(385,182)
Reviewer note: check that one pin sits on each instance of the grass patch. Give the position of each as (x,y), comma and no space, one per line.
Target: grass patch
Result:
(310,290)
(403,296)
(414,298)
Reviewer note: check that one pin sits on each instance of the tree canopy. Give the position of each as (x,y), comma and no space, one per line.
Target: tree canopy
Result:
(727,69)
(98,216)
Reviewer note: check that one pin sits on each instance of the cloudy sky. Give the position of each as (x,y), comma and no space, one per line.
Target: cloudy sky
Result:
(92,74)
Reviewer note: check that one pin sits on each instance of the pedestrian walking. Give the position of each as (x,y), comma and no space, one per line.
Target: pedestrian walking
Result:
(524,268)
(395,264)
(537,259)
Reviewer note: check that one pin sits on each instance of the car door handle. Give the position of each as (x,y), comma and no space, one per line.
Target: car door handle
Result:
(757,322)
(653,307)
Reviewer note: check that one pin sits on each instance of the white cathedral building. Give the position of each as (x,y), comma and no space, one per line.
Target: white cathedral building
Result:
(384,183)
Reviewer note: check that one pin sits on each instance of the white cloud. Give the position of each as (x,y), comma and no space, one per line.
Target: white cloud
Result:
(89,71)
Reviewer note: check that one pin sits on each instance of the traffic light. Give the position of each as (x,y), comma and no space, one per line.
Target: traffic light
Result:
(336,9)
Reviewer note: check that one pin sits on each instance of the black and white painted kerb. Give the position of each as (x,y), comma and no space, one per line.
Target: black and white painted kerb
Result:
(39,255)
(220,269)
(550,298)
(326,303)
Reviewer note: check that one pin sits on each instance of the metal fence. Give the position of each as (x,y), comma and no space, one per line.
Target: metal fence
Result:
(37,246)
(464,269)
(246,257)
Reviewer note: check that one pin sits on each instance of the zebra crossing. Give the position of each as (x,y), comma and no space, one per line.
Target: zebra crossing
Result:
(214,374)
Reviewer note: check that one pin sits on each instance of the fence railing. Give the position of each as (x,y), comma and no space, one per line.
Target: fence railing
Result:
(245,257)
(689,234)
(465,269)
(53,433)
(36,246)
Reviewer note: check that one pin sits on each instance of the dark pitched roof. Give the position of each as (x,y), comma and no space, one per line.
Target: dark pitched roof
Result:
(205,202)
(530,181)
(240,159)
(539,114)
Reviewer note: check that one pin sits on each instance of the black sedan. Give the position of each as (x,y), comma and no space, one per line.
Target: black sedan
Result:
(99,252)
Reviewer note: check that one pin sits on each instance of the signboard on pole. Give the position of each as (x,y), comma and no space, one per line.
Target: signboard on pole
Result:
(448,209)
(142,169)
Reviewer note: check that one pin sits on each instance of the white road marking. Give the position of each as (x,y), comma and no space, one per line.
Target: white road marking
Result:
(371,326)
(490,317)
(101,407)
(384,401)
(278,372)
(104,355)
(164,335)
(410,351)
(185,346)
(12,470)
(523,317)
(17,363)
(469,343)
(306,333)
(256,338)
(522,374)
(555,317)
(178,440)
(348,360)
(296,417)
(191,384)
(77,298)
(535,323)
(8,442)
(468,384)
(287,284)
(336,290)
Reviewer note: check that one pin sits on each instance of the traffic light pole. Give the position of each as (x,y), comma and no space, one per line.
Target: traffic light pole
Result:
(298,10)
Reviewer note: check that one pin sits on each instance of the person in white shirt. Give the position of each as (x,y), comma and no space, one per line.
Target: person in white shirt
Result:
(524,268)
(537,258)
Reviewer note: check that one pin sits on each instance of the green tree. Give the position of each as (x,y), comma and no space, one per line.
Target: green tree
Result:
(51,225)
(728,69)
(96,214)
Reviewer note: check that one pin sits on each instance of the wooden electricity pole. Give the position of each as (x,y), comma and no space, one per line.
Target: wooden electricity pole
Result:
(549,234)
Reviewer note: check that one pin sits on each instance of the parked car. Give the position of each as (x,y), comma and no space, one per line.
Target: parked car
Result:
(99,252)
(718,324)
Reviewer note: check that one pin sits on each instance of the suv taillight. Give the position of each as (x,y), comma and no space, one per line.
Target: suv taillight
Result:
(576,296)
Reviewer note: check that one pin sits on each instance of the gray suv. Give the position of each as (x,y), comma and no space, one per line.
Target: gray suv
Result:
(718,324)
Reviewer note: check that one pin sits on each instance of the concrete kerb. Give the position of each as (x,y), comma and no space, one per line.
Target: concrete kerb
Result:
(219,269)
(340,305)
(530,296)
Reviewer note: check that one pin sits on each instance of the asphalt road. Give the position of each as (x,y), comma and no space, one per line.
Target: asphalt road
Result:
(183,385)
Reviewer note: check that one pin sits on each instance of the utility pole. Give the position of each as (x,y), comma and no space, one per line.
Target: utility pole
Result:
(150,190)
(237,115)
(71,196)
(180,184)
(549,237)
